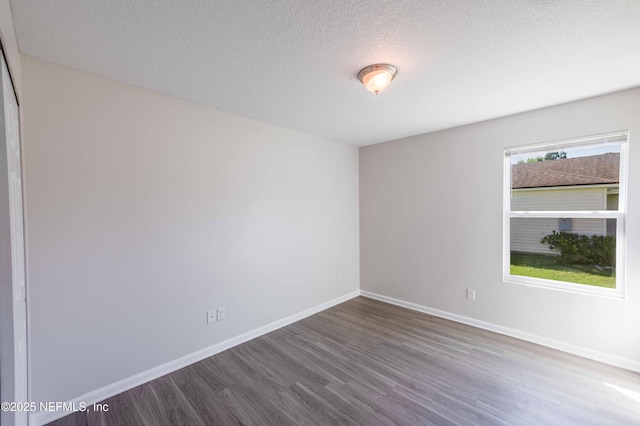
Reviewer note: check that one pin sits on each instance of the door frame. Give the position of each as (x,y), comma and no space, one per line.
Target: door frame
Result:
(17,386)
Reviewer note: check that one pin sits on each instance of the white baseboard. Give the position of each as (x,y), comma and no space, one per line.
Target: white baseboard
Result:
(44,417)
(614,360)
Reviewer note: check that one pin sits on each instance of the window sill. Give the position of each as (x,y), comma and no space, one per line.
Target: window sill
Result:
(613,293)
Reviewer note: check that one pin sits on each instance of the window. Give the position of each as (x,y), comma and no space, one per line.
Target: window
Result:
(564,214)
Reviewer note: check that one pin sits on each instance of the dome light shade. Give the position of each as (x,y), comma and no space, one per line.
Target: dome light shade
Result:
(377,77)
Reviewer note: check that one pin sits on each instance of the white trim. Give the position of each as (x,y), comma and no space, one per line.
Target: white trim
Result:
(562,187)
(613,138)
(565,286)
(627,363)
(507,194)
(596,214)
(44,417)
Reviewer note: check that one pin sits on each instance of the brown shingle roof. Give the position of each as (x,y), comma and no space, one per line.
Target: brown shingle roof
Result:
(595,169)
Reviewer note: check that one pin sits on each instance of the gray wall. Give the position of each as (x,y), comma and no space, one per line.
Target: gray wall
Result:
(431,226)
(145,211)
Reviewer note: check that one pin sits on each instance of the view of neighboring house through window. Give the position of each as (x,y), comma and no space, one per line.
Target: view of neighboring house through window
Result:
(564,214)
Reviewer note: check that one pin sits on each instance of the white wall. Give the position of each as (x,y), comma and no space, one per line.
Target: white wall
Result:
(418,248)
(145,211)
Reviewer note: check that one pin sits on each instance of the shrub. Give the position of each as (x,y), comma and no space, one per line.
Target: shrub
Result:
(582,249)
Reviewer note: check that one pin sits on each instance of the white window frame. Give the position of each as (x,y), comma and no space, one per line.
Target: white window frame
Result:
(616,138)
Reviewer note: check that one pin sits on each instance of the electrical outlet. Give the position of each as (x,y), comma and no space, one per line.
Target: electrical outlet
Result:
(471,294)
(221,314)
(211,317)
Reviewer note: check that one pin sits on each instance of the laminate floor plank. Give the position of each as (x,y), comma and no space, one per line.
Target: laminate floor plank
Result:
(365,362)
(127,414)
(210,407)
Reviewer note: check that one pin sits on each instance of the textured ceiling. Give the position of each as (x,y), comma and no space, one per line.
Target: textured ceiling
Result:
(294,63)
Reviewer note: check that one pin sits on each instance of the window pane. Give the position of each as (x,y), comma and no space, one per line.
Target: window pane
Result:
(586,254)
(585,179)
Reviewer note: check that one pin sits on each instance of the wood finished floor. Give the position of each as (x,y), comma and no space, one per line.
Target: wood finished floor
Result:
(365,362)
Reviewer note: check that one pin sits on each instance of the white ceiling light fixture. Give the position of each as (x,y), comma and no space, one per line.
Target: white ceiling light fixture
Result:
(377,77)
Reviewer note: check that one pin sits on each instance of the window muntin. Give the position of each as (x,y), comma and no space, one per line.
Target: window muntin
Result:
(563,195)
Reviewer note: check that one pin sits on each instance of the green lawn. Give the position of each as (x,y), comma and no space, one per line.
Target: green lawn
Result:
(542,266)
